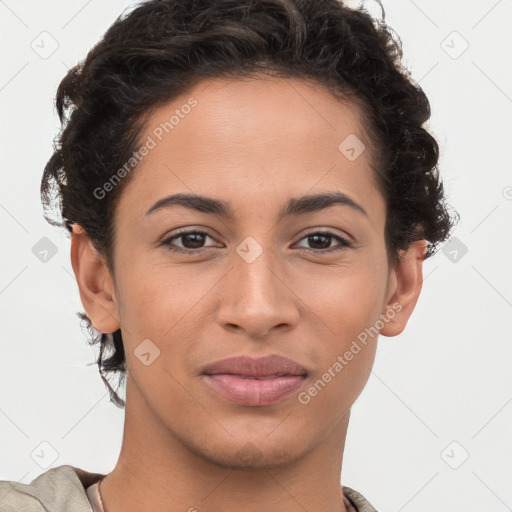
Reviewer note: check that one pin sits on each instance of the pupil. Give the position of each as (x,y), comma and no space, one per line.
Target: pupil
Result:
(199,240)
(315,239)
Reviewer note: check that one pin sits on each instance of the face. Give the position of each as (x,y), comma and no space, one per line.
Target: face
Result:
(256,269)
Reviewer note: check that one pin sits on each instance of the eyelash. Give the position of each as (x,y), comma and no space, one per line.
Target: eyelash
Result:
(344,243)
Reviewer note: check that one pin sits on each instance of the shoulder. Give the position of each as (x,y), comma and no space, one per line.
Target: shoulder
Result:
(361,504)
(59,489)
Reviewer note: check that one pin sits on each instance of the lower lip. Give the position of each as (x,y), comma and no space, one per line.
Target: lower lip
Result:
(247,391)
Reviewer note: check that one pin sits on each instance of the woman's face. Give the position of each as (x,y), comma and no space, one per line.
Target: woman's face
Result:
(278,275)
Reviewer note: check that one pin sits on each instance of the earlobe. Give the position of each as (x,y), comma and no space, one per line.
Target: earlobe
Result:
(404,287)
(94,283)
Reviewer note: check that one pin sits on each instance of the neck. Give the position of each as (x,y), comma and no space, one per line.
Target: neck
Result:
(156,471)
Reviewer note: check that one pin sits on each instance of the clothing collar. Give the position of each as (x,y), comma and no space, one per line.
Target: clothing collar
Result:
(64,488)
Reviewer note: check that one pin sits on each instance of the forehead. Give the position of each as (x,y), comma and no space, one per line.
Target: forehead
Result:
(249,112)
(266,136)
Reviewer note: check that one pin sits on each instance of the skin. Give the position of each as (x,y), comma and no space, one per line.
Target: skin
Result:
(255,143)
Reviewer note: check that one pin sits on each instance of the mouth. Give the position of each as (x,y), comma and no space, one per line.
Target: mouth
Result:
(255,382)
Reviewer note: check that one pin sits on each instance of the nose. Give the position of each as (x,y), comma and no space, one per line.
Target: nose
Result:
(257,298)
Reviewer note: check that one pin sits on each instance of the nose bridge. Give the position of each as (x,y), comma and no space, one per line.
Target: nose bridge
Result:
(256,268)
(256,298)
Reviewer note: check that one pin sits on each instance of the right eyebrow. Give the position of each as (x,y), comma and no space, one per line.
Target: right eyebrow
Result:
(294,206)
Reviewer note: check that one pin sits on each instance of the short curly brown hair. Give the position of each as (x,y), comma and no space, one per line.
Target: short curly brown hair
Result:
(159,49)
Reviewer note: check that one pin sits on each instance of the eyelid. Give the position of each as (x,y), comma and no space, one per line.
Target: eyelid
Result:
(166,241)
(345,241)
(329,231)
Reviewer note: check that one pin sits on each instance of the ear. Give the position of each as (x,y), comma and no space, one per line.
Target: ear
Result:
(95,283)
(404,287)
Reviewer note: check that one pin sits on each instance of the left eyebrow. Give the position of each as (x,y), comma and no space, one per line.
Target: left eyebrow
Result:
(294,206)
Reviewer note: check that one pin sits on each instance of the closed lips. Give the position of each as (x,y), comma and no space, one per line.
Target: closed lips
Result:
(247,381)
(268,366)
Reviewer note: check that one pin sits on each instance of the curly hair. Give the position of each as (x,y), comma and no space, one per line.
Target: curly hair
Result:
(160,48)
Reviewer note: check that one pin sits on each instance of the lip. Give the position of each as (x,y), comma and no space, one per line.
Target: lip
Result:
(255,381)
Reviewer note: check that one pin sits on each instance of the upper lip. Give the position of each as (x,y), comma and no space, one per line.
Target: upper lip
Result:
(247,366)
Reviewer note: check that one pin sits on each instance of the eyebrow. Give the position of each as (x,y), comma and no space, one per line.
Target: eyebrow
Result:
(294,206)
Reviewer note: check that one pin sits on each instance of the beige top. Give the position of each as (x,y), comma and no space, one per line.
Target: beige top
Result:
(93,493)
(67,488)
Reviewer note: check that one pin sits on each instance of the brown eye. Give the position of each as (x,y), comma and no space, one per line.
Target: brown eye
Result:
(191,241)
(321,242)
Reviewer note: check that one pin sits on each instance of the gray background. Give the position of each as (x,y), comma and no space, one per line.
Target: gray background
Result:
(432,429)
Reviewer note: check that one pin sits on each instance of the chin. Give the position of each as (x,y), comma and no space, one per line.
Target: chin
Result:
(255,454)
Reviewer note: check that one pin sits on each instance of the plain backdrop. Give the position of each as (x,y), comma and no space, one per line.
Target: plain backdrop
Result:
(432,429)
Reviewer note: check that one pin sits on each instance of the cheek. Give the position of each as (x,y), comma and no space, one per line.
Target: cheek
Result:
(344,354)
(338,301)
(347,306)
(172,305)
(344,299)
(157,301)
(167,307)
